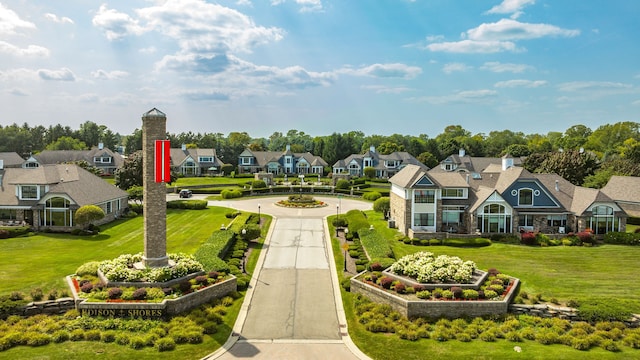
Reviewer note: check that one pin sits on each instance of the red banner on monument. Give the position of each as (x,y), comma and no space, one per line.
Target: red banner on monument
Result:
(163,161)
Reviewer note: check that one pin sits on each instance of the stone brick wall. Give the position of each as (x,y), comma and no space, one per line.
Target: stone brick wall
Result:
(400,212)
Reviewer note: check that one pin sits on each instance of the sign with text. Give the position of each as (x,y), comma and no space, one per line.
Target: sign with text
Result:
(163,161)
(148,314)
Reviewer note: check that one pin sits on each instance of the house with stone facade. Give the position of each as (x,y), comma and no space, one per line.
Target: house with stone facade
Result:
(47,196)
(496,198)
(278,162)
(98,156)
(195,162)
(385,165)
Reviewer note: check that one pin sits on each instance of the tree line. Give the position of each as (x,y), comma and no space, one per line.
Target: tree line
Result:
(613,149)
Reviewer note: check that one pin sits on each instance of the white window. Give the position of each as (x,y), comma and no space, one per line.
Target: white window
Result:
(29,192)
(205,159)
(109,208)
(453,193)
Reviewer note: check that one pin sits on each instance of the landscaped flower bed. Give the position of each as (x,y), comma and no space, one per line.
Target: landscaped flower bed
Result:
(481,293)
(121,269)
(301,201)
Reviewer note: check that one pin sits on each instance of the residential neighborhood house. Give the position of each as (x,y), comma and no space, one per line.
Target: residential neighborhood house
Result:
(98,156)
(47,196)
(277,162)
(492,195)
(195,162)
(385,165)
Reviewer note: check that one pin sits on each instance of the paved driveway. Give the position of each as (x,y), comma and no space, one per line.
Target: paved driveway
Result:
(293,308)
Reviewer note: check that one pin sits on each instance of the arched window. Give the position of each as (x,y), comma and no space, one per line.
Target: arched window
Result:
(603,220)
(494,218)
(525,197)
(56,212)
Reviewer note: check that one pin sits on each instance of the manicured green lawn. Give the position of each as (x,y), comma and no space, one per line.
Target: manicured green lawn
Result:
(607,272)
(44,259)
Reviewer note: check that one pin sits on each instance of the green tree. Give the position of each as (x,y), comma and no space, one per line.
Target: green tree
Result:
(572,165)
(451,140)
(89,133)
(382,205)
(369,172)
(517,150)
(136,193)
(67,143)
(575,137)
(85,165)
(133,142)
(620,167)
(389,147)
(609,139)
(87,214)
(130,174)
(498,141)
(428,159)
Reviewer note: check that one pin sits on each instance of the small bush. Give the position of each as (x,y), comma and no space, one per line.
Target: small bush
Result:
(114,293)
(92,335)
(89,268)
(60,336)
(86,287)
(108,336)
(77,335)
(165,344)
(386,282)
(371,195)
(400,288)
(424,294)
(140,294)
(137,342)
(37,295)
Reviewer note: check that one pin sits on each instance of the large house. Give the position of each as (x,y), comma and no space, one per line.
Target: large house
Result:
(195,162)
(385,165)
(492,195)
(47,196)
(98,156)
(278,162)
(625,190)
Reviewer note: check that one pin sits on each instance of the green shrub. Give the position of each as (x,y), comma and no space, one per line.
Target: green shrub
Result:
(165,344)
(343,184)
(137,342)
(593,310)
(108,336)
(187,204)
(258,184)
(92,335)
(230,193)
(622,238)
(89,268)
(122,339)
(77,335)
(60,336)
(36,294)
(371,195)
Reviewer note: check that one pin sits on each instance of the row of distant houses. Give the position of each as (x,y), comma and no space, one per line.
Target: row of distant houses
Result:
(479,195)
(463,194)
(200,162)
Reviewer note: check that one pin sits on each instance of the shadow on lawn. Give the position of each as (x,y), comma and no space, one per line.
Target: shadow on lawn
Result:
(67,236)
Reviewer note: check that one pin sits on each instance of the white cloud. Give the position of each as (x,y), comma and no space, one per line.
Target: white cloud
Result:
(394,70)
(380,89)
(116,25)
(513,7)
(109,75)
(473,46)
(305,5)
(637,102)
(244,3)
(10,22)
(55,18)
(520,83)
(148,50)
(467,96)
(453,67)
(18,92)
(498,67)
(198,26)
(592,85)
(63,74)
(31,50)
(509,30)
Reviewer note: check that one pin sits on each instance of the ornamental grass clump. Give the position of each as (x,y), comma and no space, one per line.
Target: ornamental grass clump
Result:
(426,268)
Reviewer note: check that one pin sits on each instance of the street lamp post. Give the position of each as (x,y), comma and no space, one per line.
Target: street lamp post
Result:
(337,218)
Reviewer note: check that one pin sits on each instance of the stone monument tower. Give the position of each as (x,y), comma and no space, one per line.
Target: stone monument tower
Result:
(154,171)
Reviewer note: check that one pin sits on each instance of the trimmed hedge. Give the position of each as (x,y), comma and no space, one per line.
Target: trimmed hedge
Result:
(356,220)
(13,231)
(187,204)
(622,238)
(210,253)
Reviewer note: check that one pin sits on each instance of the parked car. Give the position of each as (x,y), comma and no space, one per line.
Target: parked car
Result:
(186,193)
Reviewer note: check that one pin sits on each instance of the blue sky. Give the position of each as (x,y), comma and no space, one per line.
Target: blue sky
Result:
(321,66)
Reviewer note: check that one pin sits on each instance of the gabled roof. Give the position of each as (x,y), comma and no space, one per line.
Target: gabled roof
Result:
(80,185)
(408,176)
(265,157)
(179,156)
(623,189)
(378,159)
(585,197)
(48,157)
(11,159)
